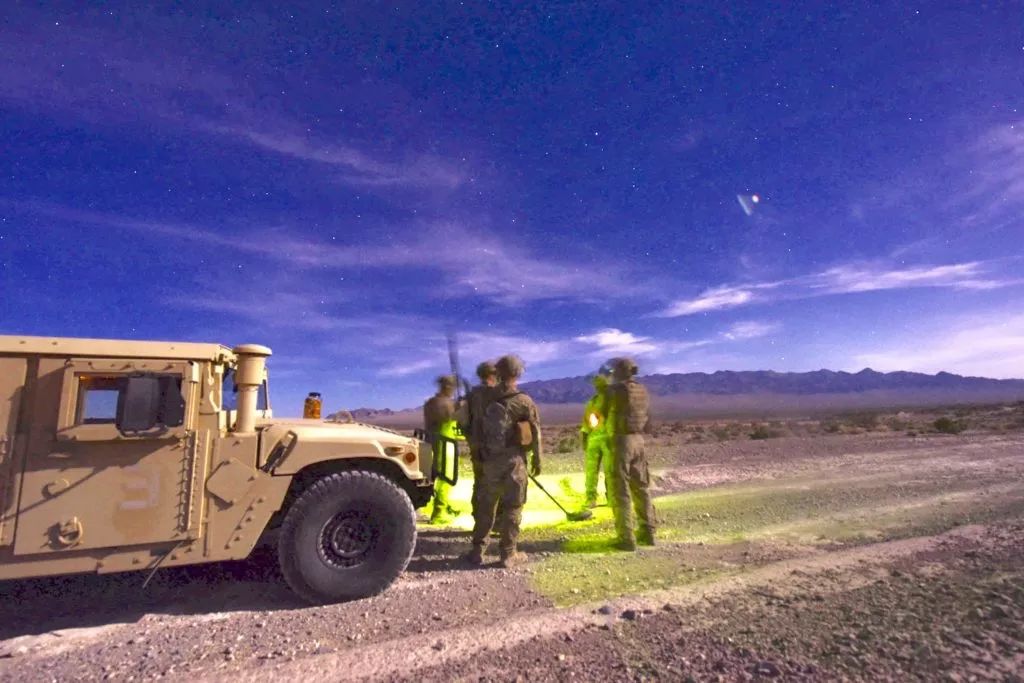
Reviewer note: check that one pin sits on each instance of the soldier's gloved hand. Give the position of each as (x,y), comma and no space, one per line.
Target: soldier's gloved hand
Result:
(535,467)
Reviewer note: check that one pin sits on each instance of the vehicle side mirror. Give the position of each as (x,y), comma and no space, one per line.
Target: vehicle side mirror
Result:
(139,405)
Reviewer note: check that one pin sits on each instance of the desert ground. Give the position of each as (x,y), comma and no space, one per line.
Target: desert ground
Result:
(866,546)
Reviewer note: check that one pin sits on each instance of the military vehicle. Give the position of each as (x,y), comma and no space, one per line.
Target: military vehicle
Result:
(134,455)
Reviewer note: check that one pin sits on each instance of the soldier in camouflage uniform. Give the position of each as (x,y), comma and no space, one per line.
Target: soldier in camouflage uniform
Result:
(472,422)
(594,438)
(628,474)
(439,418)
(510,430)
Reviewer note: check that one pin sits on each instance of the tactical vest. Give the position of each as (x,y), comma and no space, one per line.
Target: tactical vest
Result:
(633,407)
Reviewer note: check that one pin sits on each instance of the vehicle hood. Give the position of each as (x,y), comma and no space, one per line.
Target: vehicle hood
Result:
(317,430)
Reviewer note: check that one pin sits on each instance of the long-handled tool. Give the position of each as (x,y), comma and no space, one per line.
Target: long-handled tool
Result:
(579,516)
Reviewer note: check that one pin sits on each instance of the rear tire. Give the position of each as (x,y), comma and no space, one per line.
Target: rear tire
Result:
(348,536)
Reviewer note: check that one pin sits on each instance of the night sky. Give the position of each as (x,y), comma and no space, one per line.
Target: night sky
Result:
(569,181)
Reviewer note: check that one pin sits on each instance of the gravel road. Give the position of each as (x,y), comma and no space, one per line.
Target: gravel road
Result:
(936,600)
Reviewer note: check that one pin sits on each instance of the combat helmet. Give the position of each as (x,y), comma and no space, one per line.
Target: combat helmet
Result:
(486,369)
(510,367)
(623,368)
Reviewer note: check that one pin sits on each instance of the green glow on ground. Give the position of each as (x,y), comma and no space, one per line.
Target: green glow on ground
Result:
(539,512)
(709,533)
(723,530)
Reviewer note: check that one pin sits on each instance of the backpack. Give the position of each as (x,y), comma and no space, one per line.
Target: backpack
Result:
(497,425)
(637,406)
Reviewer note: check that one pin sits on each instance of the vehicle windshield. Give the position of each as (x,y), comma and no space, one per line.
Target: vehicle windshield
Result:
(229,393)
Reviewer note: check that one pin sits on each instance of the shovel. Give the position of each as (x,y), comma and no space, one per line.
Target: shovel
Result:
(580,516)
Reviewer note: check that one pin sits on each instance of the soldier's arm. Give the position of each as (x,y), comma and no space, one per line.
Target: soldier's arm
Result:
(464,414)
(648,425)
(612,410)
(537,446)
(427,413)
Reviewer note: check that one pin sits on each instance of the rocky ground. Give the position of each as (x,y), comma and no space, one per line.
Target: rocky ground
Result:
(873,556)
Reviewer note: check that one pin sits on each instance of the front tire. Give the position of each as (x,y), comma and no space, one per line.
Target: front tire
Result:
(348,536)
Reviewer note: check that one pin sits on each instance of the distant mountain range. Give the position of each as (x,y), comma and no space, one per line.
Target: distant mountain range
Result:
(730,383)
(729,391)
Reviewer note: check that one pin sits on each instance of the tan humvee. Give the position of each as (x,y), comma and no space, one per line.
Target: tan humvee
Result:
(127,455)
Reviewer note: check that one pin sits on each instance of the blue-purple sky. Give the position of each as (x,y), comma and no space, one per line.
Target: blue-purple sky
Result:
(569,181)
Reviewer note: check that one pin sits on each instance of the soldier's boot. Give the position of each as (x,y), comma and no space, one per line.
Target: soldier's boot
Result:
(510,559)
(475,556)
(440,516)
(645,535)
(591,502)
(627,544)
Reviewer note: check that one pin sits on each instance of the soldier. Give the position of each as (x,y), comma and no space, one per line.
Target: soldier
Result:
(594,438)
(628,473)
(510,429)
(476,400)
(470,419)
(439,419)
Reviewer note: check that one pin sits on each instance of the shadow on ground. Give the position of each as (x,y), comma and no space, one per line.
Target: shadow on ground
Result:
(36,606)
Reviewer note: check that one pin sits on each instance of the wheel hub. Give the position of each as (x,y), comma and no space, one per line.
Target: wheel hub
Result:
(346,539)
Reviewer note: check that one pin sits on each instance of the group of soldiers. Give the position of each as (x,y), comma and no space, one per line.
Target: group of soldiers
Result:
(501,426)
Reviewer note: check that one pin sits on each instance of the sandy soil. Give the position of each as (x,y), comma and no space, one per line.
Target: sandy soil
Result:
(873,557)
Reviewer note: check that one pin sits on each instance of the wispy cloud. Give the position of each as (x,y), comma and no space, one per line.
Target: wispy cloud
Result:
(531,350)
(844,279)
(406,369)
(431,353)
(991,346)
(356,167)
(714,299)
(611,341)
(104,79)
(751,329)
(851,279)
(472,262)
(996,193)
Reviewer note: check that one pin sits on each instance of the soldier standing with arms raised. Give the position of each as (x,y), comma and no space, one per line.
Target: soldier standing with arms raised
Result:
(510,430)
(628,473)
(439,418)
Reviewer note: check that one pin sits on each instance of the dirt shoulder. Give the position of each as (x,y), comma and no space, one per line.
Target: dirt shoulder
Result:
(949,607)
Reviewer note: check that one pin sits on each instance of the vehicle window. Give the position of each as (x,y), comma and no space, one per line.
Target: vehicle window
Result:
(229,392)
(97,399)
(263,401)
(98,396)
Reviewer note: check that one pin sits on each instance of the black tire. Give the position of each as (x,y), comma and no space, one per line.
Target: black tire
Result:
(348,536)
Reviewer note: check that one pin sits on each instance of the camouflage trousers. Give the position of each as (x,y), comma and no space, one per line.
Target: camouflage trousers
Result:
(478,475)
(598,455)
(501,479)
(628,480)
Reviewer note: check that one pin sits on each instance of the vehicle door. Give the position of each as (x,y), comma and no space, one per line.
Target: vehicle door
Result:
(117,466)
